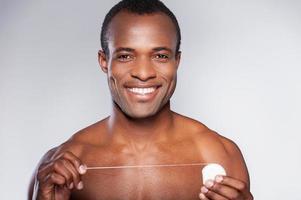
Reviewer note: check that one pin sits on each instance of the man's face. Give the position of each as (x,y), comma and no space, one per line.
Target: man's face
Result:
(142,63)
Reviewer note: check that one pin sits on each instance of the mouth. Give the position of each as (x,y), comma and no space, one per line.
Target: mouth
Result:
(143,93)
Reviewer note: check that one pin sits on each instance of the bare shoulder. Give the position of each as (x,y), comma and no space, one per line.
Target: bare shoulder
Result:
(92,135)
(78,142)
(215,148)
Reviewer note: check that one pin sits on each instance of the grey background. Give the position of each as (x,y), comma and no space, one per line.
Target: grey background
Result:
(240,75)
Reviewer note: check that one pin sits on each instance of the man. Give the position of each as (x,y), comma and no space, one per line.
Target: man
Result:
(140,55)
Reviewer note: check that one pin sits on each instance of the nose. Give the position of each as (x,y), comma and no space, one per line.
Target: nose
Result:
(143,69)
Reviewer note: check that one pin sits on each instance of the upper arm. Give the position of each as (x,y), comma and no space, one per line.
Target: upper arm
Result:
(31,187)
(50,155)
(46,157)
(215,148)
(238,166)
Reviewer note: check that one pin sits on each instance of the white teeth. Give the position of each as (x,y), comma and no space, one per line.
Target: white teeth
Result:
(142,90)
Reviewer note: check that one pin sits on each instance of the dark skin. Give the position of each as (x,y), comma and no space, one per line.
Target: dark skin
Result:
(141,130)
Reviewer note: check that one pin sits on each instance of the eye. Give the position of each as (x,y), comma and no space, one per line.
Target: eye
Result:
(124,57)
(161,57)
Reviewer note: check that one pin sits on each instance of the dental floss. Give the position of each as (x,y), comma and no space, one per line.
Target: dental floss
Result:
(148,166)
(145,166)
(210,171)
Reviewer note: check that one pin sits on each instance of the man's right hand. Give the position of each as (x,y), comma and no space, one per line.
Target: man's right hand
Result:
(57,177)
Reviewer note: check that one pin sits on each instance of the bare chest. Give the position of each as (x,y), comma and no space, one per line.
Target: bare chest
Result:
(145,183)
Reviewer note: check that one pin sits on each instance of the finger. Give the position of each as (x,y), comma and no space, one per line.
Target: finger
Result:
(75,175)
(209,194)
(49,183)
(203,197)
(62,193)
(55,179)
(232,182)
(75,161)
(43,171)
(59,167)
(223,190)
(46,167)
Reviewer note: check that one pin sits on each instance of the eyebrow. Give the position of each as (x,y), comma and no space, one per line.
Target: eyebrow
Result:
(123,49)
(162,49)
(132,50)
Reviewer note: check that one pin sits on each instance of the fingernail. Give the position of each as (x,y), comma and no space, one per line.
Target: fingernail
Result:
(80,185)
(71,186)
(82,169)
(204,190)
(219,179)
(202,196)
(209,183)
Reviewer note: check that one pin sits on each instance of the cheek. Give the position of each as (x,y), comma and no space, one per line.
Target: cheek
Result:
(169,74)
(113,82)
(115,75)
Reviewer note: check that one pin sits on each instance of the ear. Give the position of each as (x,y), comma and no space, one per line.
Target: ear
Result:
(178,58)
(102,60)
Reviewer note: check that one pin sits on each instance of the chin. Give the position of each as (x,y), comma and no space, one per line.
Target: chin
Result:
(141,113)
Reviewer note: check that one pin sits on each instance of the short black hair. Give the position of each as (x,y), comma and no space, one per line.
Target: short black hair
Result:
(139,7)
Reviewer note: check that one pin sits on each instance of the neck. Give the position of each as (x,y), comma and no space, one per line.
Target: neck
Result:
(145,130)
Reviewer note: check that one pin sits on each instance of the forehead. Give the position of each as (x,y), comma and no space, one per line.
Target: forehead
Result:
(138,31)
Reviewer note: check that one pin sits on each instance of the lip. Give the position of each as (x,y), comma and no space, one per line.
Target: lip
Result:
(142,85)
(142,97)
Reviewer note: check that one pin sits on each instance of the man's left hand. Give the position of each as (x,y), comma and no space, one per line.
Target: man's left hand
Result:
(225,188)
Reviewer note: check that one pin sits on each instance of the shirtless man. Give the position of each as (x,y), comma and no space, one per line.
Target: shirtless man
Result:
(140,56)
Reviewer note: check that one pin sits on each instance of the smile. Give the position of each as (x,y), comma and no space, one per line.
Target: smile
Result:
(142,91)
